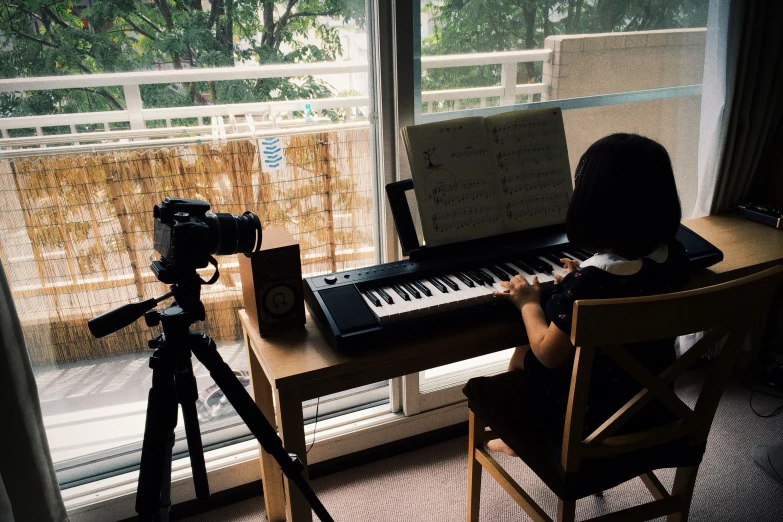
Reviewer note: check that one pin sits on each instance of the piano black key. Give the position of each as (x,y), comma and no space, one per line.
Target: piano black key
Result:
(475,277)
(585,252)
(386,297)
(500,274)
(574,253)
(412,290)
(465,279)
(524,267)
(437,284)
(449,282)
(507,269)
(423,289)
(485,276)
(555,258)
(372,298)
(401,292)
(539,265)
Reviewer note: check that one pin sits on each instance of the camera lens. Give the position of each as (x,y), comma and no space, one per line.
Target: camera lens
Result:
(230,234)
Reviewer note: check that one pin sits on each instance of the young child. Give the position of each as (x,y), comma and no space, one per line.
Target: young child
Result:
(626,209)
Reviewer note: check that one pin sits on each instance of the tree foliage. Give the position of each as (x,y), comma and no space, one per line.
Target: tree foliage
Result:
(471,26)
(51,37)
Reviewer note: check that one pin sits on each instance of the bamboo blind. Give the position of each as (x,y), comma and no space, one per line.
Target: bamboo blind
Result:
(76,230)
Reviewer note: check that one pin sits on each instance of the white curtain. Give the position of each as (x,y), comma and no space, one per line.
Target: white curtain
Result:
(28,485)
(724,22)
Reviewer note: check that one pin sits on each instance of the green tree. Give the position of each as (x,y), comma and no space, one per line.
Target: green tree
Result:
(51,37)
(470,26)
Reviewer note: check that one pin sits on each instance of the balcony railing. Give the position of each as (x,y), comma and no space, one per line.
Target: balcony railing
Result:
(240,119)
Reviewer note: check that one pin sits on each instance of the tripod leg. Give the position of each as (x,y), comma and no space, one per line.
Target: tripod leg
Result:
(187,394)
(165,477)
(207,353)
(158,433)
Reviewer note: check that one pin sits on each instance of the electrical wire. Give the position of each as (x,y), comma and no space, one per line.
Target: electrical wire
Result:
(762,415)
(753,391)
(318,402)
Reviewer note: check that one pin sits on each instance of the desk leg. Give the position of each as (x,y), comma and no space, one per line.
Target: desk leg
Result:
(271,476)
(291,425)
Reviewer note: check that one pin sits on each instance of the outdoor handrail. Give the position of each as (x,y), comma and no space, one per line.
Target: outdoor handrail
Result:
(137,115)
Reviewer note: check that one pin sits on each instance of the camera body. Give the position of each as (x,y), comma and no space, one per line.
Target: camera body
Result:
(181,234)
(186,235)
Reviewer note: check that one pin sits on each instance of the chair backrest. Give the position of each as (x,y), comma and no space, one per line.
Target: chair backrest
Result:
(723,311)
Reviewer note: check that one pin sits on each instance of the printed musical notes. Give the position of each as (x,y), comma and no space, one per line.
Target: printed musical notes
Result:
(457,192)
(529,149)
(536,209)
(524,156)
(478,177)
(466,218)
(517,130)
(530,182)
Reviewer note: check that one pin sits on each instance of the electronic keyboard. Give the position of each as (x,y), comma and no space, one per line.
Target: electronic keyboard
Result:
(448,286)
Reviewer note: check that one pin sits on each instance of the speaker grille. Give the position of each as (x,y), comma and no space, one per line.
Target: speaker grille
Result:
(348,309)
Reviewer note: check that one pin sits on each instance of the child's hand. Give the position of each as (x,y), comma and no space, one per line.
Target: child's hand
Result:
(520,292)
(569,264)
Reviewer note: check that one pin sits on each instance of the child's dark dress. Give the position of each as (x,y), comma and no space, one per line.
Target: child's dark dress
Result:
(540,394)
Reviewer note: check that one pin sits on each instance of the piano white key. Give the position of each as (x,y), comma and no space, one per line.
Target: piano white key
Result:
(410,306)
(482,293)
(380,311)
(523,273)
(438,297)
(496,285)
(557,269)
(397,309)
(463,296)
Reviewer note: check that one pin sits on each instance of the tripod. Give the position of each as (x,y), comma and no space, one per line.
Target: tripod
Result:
(173,382)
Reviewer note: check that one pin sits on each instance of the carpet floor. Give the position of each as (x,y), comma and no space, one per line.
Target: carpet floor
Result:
(429,484)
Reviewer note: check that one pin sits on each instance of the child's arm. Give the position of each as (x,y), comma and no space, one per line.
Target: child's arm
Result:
(551,346)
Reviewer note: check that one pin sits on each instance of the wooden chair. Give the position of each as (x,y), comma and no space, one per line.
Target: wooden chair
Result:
(610,455)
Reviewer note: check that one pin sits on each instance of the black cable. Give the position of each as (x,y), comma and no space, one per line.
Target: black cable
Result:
(764,416)
(318,402)
(754,390)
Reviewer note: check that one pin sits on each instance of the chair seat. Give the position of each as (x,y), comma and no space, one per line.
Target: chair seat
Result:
(505,403)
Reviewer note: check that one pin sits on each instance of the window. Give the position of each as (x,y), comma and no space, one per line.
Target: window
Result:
(185,108)
(193,102)
(612,67)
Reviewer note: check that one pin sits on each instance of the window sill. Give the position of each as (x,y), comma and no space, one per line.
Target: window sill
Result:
(235,465)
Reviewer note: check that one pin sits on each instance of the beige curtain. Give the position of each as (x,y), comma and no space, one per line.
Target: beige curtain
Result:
(753,108)
(28,485)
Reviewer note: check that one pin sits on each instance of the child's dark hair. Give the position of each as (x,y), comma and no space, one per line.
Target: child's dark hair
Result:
(625,198)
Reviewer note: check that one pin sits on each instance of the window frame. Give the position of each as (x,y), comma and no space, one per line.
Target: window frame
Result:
(414,407)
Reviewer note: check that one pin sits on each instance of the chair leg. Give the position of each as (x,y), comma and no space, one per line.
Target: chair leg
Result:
(684,482)
(566,510)
(475,440)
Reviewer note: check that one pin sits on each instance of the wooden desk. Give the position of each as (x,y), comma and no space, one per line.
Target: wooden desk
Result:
(300,365)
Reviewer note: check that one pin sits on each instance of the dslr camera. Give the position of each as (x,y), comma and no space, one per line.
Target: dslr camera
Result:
(187,236)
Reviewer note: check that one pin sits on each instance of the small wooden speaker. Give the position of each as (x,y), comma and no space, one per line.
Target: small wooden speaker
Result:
(272,283)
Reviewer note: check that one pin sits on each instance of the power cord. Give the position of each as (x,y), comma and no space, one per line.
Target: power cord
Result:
(762,415)
(754,390)
(317,404)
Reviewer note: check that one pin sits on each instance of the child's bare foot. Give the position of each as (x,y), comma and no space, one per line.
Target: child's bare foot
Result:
(499,445)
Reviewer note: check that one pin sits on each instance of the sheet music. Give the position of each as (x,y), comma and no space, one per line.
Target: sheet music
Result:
(530,154)
(480,177)
(455,179)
